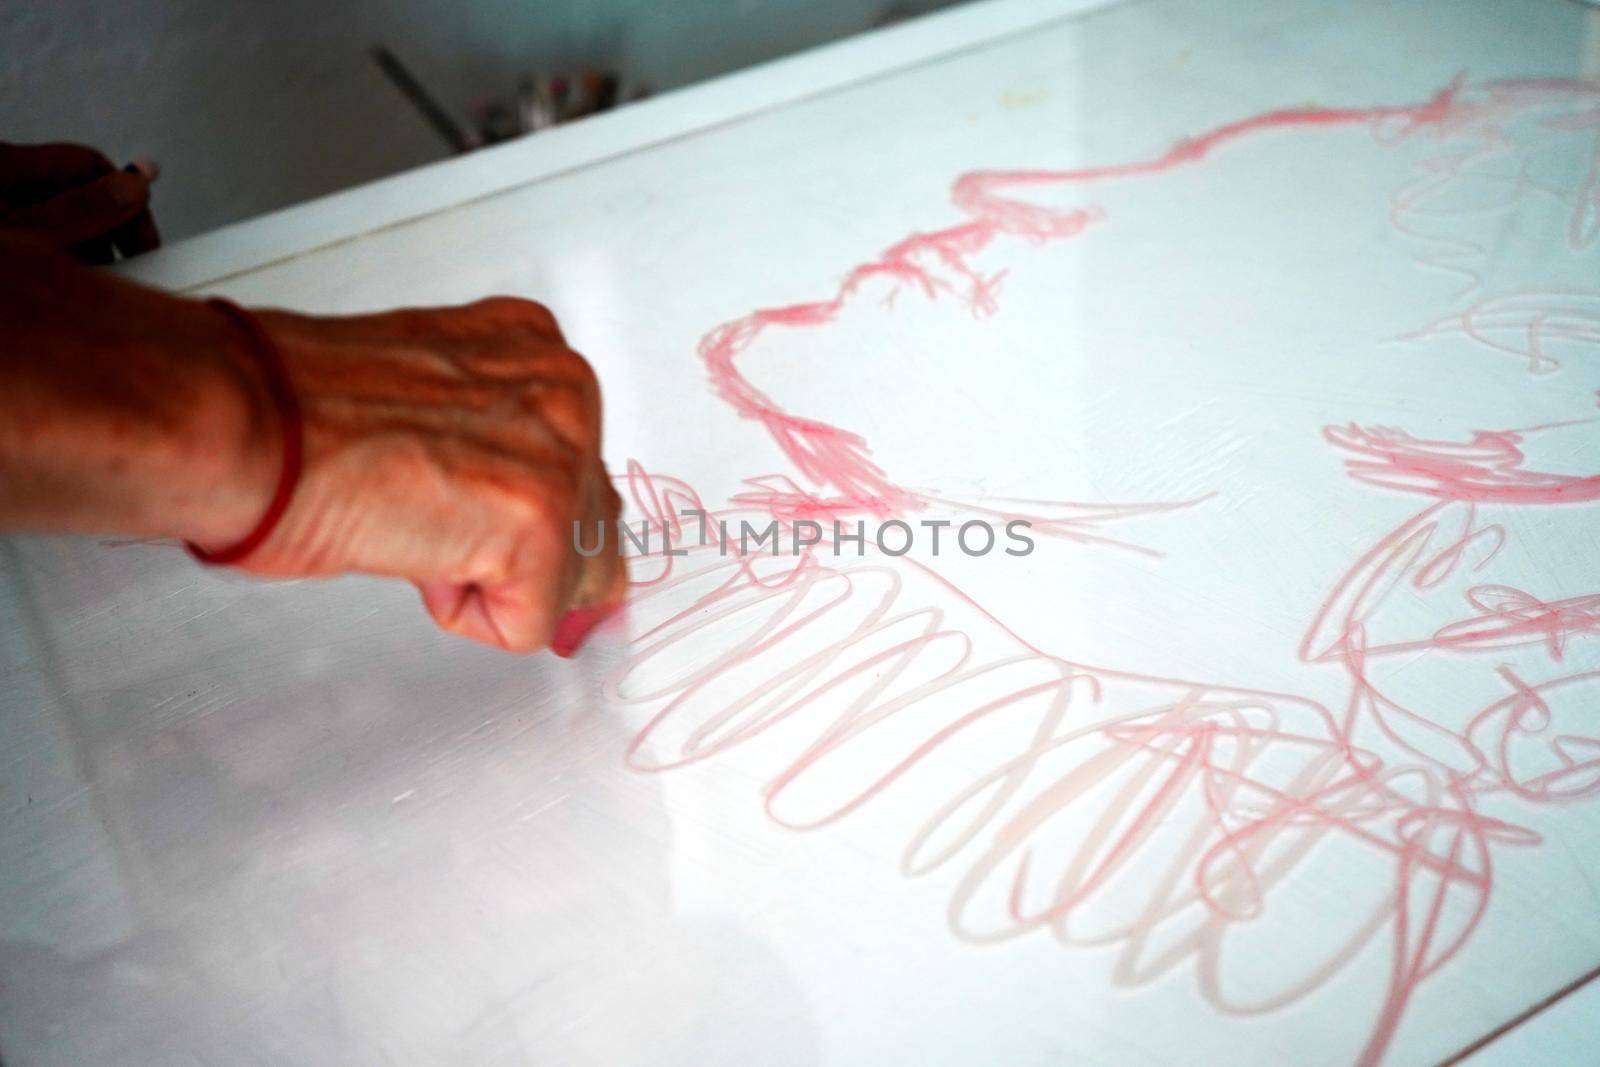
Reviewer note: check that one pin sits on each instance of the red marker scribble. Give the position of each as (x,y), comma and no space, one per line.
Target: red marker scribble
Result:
(1526,754)
(1535,325)
(939,262)
(1509,617)
(1503,144)
(859,667)
(1433,557)
(1169,820)
(1487,468)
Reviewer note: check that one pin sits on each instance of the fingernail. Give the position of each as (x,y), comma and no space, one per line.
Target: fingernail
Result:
(576,625)
(146,166)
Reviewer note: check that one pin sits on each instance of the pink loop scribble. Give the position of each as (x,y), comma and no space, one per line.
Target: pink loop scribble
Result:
(1534,326)
(1167,820)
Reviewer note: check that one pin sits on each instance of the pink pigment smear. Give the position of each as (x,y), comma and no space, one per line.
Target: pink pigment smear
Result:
(835,655)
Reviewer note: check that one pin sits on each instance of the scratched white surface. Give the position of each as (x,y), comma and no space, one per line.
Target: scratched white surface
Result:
(289,823)
(1566,1032)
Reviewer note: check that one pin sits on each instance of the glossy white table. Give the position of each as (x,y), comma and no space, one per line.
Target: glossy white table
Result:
(1280,747)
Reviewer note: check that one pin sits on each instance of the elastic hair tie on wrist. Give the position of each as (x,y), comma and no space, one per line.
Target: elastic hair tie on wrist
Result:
(265,354)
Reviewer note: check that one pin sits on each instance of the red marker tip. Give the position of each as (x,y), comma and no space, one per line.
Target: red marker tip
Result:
(576,625)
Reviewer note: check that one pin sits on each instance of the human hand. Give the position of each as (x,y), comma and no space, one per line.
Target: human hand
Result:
(454,447)
(74,198)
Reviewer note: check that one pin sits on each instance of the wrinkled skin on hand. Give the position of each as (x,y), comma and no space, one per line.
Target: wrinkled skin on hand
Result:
(453,447)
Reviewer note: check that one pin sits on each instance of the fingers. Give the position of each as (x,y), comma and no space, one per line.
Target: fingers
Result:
(601,585)
(96,252)
(554,595)
(601,579)
(61,192)
(518,614)
(514,601)
(86,211)
(137,236)
(30,173)
(512,313)
(505,317)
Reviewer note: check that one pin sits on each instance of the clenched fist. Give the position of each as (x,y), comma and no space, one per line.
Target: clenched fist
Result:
(452,447)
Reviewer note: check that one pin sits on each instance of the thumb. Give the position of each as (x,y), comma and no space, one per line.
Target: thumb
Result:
(85,211)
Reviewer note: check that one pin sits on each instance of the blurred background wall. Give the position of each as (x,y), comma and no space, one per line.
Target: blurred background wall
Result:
(256,104)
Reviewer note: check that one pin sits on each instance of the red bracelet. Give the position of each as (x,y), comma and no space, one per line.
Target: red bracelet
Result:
(265,354)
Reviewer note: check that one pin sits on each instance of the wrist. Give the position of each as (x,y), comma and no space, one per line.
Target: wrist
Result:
(128,410)
(234,440)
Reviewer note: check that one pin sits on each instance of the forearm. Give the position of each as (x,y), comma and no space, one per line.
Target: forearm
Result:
(124,410)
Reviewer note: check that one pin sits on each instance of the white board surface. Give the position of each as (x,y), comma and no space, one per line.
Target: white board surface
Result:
(1280,747)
